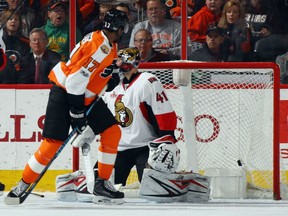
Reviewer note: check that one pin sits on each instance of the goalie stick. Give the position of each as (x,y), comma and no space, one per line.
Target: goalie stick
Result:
(89,171)
(20,200)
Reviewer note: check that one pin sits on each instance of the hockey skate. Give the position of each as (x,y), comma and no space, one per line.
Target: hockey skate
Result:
(105,193)
(2,188)
(13,197)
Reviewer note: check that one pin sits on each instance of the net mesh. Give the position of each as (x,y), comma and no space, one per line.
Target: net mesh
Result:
(233,118)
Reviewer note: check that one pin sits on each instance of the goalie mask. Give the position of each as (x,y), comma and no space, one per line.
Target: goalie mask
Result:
(130,58)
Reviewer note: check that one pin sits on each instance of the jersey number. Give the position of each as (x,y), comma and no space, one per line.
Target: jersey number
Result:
(91,64)
(161,97)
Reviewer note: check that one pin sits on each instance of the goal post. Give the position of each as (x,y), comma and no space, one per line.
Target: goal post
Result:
(227,112)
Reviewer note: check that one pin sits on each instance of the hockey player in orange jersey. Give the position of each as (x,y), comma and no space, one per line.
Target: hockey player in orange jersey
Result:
(77,84)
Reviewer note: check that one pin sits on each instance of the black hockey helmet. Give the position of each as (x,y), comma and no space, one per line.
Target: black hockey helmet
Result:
(114,19)
(130,58)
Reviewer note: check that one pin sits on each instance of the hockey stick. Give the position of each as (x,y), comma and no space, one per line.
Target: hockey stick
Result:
(19,200)
(89,171)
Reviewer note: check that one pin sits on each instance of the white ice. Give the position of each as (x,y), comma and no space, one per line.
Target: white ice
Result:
(50,206)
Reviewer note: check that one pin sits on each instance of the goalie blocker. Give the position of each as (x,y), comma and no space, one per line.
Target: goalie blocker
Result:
(174,187)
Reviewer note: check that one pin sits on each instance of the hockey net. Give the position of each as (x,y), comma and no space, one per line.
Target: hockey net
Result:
(227,113)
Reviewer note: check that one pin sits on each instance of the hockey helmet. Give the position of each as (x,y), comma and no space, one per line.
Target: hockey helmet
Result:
(114,19)
(130,58)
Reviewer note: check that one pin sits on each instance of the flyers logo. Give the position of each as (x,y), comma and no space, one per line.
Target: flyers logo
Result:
(104,49)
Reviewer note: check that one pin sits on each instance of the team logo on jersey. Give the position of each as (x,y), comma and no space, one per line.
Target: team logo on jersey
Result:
(104,49)
(123,114)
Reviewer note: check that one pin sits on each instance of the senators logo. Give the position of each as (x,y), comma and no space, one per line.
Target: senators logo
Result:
(123,115)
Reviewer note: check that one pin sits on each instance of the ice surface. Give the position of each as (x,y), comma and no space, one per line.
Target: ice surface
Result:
(50,206)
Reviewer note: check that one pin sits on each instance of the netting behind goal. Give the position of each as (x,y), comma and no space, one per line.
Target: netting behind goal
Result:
(227,112)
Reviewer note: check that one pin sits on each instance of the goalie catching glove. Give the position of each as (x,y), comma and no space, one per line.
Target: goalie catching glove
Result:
(164,154)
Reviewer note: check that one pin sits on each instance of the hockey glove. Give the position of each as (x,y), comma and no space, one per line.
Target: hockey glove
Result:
(87,136)
(113,68)
(113,82)
(78,120)
(164,154)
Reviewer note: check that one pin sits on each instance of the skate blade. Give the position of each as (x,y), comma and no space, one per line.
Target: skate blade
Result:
(12,200)
(1,193)
(100,200)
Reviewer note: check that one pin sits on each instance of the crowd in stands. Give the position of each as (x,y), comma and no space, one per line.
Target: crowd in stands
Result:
(218,30)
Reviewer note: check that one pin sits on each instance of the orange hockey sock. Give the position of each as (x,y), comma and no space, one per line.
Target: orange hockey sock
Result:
(40,159)
(108,150)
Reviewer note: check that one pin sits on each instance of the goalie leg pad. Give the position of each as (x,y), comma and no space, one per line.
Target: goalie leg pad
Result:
(65,186)
(81,190)
(199,189)
(163,187)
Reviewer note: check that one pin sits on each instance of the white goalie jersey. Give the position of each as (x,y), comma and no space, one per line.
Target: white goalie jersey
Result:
(136,114)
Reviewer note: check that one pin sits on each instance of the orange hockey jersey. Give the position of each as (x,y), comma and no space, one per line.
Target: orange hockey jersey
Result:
(85,72)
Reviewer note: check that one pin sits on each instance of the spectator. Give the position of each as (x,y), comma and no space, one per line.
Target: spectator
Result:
(3,57)
(208,15)
(212,50)
(97,23)
(7,69)
(139,97)
(282,9)
(166,33)
(40,9)
(87,10)
(282,61)
(138,11)
(17,46)
(3,63)
(143,41)
(268,30)
(57,28)
(86,7)
(3,5)
(175,10)
(8,74)
(27,15)
(237,34)
(126,36)
(30,72)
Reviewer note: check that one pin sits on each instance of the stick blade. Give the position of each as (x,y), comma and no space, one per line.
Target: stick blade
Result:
(16,200)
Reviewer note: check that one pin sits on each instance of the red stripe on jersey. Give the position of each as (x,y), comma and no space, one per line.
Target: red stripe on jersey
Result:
(144,111)
(167,121)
